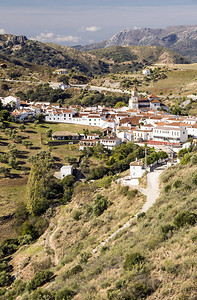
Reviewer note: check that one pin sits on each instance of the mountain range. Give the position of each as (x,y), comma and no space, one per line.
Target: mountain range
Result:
(182,39)
(22,51)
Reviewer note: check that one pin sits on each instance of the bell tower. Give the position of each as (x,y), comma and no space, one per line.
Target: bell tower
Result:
(133,101)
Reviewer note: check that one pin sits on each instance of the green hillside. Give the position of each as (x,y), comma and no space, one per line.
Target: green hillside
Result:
(144,54)
(153,259)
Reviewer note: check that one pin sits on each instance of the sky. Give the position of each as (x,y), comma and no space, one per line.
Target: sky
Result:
(82,22)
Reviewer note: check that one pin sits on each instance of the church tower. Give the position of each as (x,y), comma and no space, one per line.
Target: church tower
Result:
(133,101)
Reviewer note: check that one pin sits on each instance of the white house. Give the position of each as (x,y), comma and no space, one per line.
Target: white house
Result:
(110,142)
(136,171)
(13,101)
(58,85)
(60,71)
(170,134)
(66,170)
(146,72)
(192,130)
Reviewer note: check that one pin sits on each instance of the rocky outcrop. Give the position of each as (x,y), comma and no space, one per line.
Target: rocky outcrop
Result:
(13,38)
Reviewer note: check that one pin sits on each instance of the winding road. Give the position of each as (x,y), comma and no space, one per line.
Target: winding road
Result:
(151,192)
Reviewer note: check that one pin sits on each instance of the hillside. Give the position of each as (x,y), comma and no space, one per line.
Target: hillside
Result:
(50,55)
(182,39)
(153,259)
(147,55)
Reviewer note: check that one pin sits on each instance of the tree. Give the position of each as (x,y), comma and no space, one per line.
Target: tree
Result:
(27,144)
(120,104)
(22,127)
(42,186)
(5,171)
(4,115)
(40,118)
(100,204)
(49,133)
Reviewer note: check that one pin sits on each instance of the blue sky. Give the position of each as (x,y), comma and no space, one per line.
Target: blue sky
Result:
(88,21)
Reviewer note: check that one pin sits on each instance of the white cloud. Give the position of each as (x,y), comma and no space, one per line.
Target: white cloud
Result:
(91,28)
(2,31)
(55,38)
(69,38)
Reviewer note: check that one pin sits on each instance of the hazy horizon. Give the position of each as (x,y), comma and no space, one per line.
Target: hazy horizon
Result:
(85,22)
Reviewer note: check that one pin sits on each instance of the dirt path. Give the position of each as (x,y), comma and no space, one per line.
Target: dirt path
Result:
(49,240)
(151,192)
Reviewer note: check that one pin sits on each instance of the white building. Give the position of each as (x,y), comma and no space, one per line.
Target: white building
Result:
(146,72)
(60,71)
(66,170)
(58,85)
(133,101)
(13,101)
(110,142)
(136,169)
(170,134)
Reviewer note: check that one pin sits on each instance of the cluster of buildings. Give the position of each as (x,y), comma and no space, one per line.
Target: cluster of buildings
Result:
(144,120)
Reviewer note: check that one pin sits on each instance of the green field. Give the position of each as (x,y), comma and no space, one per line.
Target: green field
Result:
(13,188)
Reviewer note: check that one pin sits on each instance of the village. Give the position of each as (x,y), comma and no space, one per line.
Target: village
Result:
(145,120)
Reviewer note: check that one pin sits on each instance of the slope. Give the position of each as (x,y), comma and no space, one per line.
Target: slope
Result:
(144,54)
(50,55)
(154,258)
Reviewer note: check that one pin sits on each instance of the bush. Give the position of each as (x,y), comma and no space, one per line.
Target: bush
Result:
(194,179)
(40,278)
(76,269)
(124,190)
(25,239)
(167,188)
(64,294)
(100,205)
(177,184)
(184,218)
(77,215)
(98,172)
(133,260)
(41,294)
(131,194)
(5,278)
(167,228)
(141,215)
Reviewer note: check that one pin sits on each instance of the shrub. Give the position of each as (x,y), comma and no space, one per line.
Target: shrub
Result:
(77,215)
(194,179)
(183,218)
(25,239)
(76,269)
(41,294)
(167,188)
(100,205)
(141,215)
(167,228)
(131,194)
(133,260)
(98,172)
(177,184)
(124,190)
(40,278)
(64,294)
(5,278)
(169,266)
(105,182)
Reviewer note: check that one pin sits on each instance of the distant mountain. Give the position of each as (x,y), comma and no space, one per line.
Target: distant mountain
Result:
(182,39)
